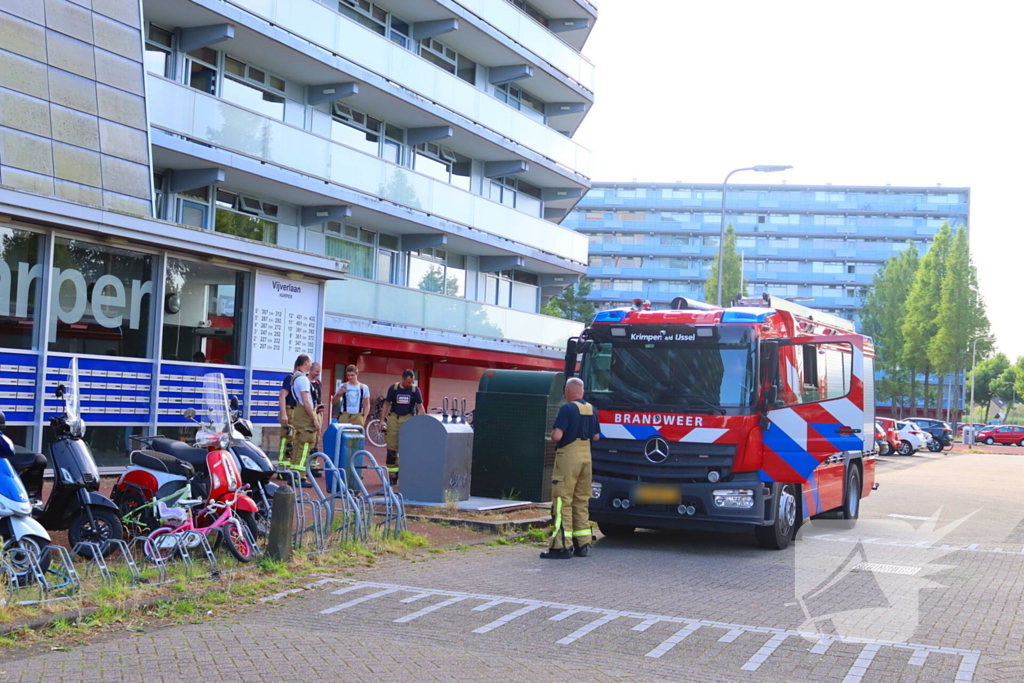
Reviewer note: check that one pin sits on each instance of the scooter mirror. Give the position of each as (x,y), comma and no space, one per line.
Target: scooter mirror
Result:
(234,403)
(189,413)
(60,391)
(3,420)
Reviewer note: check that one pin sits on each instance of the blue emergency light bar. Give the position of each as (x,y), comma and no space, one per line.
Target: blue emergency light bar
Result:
(614,315)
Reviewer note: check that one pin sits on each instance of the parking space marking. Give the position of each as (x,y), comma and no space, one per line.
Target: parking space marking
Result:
(417,597)
(766,651)
(923,545)
(776,636)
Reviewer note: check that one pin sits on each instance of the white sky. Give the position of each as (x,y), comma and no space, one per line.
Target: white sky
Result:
(900,92)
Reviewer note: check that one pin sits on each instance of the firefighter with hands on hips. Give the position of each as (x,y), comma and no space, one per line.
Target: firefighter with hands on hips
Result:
(575,427)
(402,402)
(304,418)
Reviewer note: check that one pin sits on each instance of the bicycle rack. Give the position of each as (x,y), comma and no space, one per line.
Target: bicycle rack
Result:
(338,500)
(211,559)
(100,561)
(66,577)
(160,565)
(96,558)
(301,500)
(394,521)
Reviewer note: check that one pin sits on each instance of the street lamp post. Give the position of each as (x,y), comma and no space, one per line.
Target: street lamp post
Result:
(974,360)
(761,168)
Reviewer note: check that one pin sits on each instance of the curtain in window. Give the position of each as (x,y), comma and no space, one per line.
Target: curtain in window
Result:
(359,257)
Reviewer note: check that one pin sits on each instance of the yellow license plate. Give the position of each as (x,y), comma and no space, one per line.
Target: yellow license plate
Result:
(655,494)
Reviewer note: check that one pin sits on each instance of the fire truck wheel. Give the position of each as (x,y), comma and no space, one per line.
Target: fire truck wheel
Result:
(851,501)
(779,535)
(615,530)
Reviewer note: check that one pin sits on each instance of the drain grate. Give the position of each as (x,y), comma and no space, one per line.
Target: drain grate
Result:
(886,568)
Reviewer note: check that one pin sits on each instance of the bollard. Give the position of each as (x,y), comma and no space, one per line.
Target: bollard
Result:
(282,524)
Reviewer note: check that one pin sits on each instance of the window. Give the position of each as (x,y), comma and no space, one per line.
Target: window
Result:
(439,54)
(525,292)
(629,215)
(594,215)
(354,244)
(435,270)
(531,11)
(830,291)
(518,194)
(357,130)
(387,259)
(201,69)
(210,312)
(809,373)
(781,290)
(102,299)
(443,164)
(675,216)
(784,242)
(253,88)
(826,267)
(160,52)
(158,188)
(517,98)
(746,242)
(20,280)
(245,216)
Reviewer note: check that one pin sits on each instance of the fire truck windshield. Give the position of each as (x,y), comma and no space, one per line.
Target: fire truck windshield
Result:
(712,378)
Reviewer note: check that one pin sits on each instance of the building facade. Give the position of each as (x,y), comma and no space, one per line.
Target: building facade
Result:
(189,183)
(821,244)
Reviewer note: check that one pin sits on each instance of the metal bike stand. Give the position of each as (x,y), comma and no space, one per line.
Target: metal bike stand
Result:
(69,578)
(255,549)
(394,505)
(128,559)
(337,503)
(295,479)
(96,558)
(160,565)
(211,559)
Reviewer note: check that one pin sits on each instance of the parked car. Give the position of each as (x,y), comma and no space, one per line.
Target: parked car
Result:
(976,426)
(937,429)
(1003,434)
(912,438)
(891,435)
(881,444)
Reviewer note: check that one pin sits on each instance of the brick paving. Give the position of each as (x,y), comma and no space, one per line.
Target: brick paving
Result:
(938,600)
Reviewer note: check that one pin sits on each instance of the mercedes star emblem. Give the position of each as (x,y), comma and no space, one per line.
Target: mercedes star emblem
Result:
(656,450)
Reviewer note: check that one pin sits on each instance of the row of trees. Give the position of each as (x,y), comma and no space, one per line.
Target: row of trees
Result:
(924,312)
(996,377)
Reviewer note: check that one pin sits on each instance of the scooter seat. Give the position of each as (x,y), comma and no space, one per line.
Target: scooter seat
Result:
(23,459)
(182,451)
(161,462)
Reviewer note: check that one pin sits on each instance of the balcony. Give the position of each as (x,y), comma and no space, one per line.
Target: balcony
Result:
(178,109)
(378,302)
(342,36)
(535,38)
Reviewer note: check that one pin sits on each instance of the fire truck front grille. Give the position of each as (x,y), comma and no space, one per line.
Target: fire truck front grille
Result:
(626,460)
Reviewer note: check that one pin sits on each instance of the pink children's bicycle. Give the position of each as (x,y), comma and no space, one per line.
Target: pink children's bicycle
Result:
(180,529)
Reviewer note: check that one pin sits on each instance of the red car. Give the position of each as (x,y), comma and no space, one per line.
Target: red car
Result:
(892,437)
(1003,434)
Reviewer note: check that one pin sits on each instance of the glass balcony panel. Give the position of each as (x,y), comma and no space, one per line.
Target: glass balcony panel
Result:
(185,111)
(398,305)
(338,34)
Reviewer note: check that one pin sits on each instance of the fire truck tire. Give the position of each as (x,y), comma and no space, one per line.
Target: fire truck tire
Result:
(779,535)
(851,497)
(615,530)
(905,448)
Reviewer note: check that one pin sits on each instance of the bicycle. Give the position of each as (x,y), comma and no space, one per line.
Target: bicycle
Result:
(180,529)
(375,427)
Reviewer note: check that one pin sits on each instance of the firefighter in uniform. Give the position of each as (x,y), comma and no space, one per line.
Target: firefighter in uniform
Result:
(575,427)
(402,402)
(303,418)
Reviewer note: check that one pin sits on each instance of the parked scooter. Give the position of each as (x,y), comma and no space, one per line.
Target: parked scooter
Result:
(75,503)
(257,469)
(153,476)
(22,537)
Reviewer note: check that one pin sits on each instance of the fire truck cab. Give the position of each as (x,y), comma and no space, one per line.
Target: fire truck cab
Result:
(754,417)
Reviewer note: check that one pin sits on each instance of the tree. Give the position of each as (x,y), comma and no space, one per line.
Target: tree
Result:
(921,322)
(883,316)
(961,313)
(733,283)
(572,303)
(434,281)
(985,372)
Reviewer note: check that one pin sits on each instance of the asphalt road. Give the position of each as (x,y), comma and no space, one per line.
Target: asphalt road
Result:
(927,587)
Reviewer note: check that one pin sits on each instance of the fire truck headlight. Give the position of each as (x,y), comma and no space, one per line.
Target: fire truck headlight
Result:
(595,489)
(742,499)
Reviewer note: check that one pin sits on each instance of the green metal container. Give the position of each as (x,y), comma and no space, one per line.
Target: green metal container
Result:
(512,454)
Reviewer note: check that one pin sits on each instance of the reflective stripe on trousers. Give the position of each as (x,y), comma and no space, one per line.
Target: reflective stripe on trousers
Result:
(570,495)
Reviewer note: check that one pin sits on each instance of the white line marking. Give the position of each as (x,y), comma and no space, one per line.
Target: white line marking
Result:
(428,610)
(278,596)
(965,673)
(350,603)
(584,630)
(676,638)
(765,652)
(507,618)
(342,591)
(860,667)
(731,635)
(564,615)
(416,597)
(821,647)
(886,568)
(973,548)
(920,519)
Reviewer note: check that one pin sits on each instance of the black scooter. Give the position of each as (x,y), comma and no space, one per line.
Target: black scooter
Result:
(257,469)
(75,503)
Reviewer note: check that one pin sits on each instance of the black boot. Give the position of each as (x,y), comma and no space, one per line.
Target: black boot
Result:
(582,550)
(557,554)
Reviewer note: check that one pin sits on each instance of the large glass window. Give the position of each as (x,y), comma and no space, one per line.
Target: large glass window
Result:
(204,312)
(443,164)
(159,52)
(20,279)
(201,70)
(245,216)
(439,54)
(517,98)
(353,244)
(253,88)
(102,300)
(518,194)
(434,270)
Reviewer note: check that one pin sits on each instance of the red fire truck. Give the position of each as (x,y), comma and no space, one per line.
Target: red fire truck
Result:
(757,416)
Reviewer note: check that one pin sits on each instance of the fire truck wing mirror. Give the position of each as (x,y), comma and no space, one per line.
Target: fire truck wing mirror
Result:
(585,346)
(570,356)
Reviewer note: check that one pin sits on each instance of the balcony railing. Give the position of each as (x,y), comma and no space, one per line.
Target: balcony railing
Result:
(535,38)
(340,35)
(381,302)
(183,110)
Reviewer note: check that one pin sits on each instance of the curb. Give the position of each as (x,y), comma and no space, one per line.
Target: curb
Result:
(480,525)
